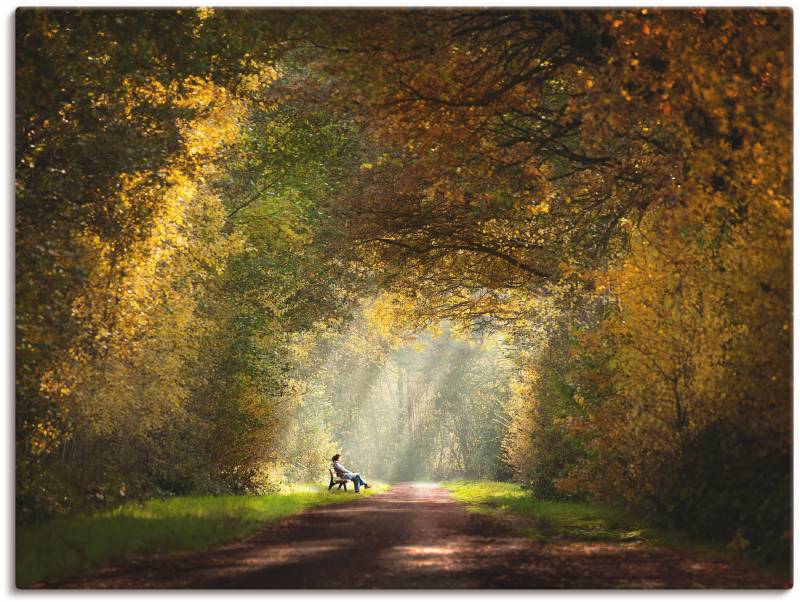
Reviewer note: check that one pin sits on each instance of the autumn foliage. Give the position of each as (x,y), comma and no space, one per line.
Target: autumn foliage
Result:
(208,200)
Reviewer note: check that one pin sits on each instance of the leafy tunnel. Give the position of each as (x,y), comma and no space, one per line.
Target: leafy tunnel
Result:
(543,245)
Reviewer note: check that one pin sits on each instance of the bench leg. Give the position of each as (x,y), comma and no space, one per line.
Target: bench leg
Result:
(331,485)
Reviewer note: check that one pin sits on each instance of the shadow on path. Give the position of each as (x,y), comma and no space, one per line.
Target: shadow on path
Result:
(416,536)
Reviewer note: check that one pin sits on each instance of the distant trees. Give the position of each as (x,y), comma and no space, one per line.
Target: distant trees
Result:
(428,407)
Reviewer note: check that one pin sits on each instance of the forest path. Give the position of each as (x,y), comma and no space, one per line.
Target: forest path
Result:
(417,536)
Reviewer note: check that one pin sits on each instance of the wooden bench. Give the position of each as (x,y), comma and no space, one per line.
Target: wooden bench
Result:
(337,480)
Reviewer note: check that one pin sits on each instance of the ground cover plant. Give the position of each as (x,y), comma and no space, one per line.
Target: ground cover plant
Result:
(63,546)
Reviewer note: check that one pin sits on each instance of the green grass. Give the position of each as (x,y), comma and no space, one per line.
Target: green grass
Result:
(65,546)
(564,521)
(545,519)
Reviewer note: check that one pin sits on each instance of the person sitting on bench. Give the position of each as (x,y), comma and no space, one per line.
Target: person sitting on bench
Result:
(346,474)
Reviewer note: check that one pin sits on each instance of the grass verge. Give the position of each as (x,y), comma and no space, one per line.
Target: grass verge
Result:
(65,546)
(547,520)
(544,520)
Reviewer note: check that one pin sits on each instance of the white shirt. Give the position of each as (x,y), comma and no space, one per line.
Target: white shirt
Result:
(341,470)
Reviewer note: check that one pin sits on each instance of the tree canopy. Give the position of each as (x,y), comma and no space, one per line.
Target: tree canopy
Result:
(553,245)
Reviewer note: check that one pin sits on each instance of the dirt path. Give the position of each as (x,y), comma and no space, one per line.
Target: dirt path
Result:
(416,536)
